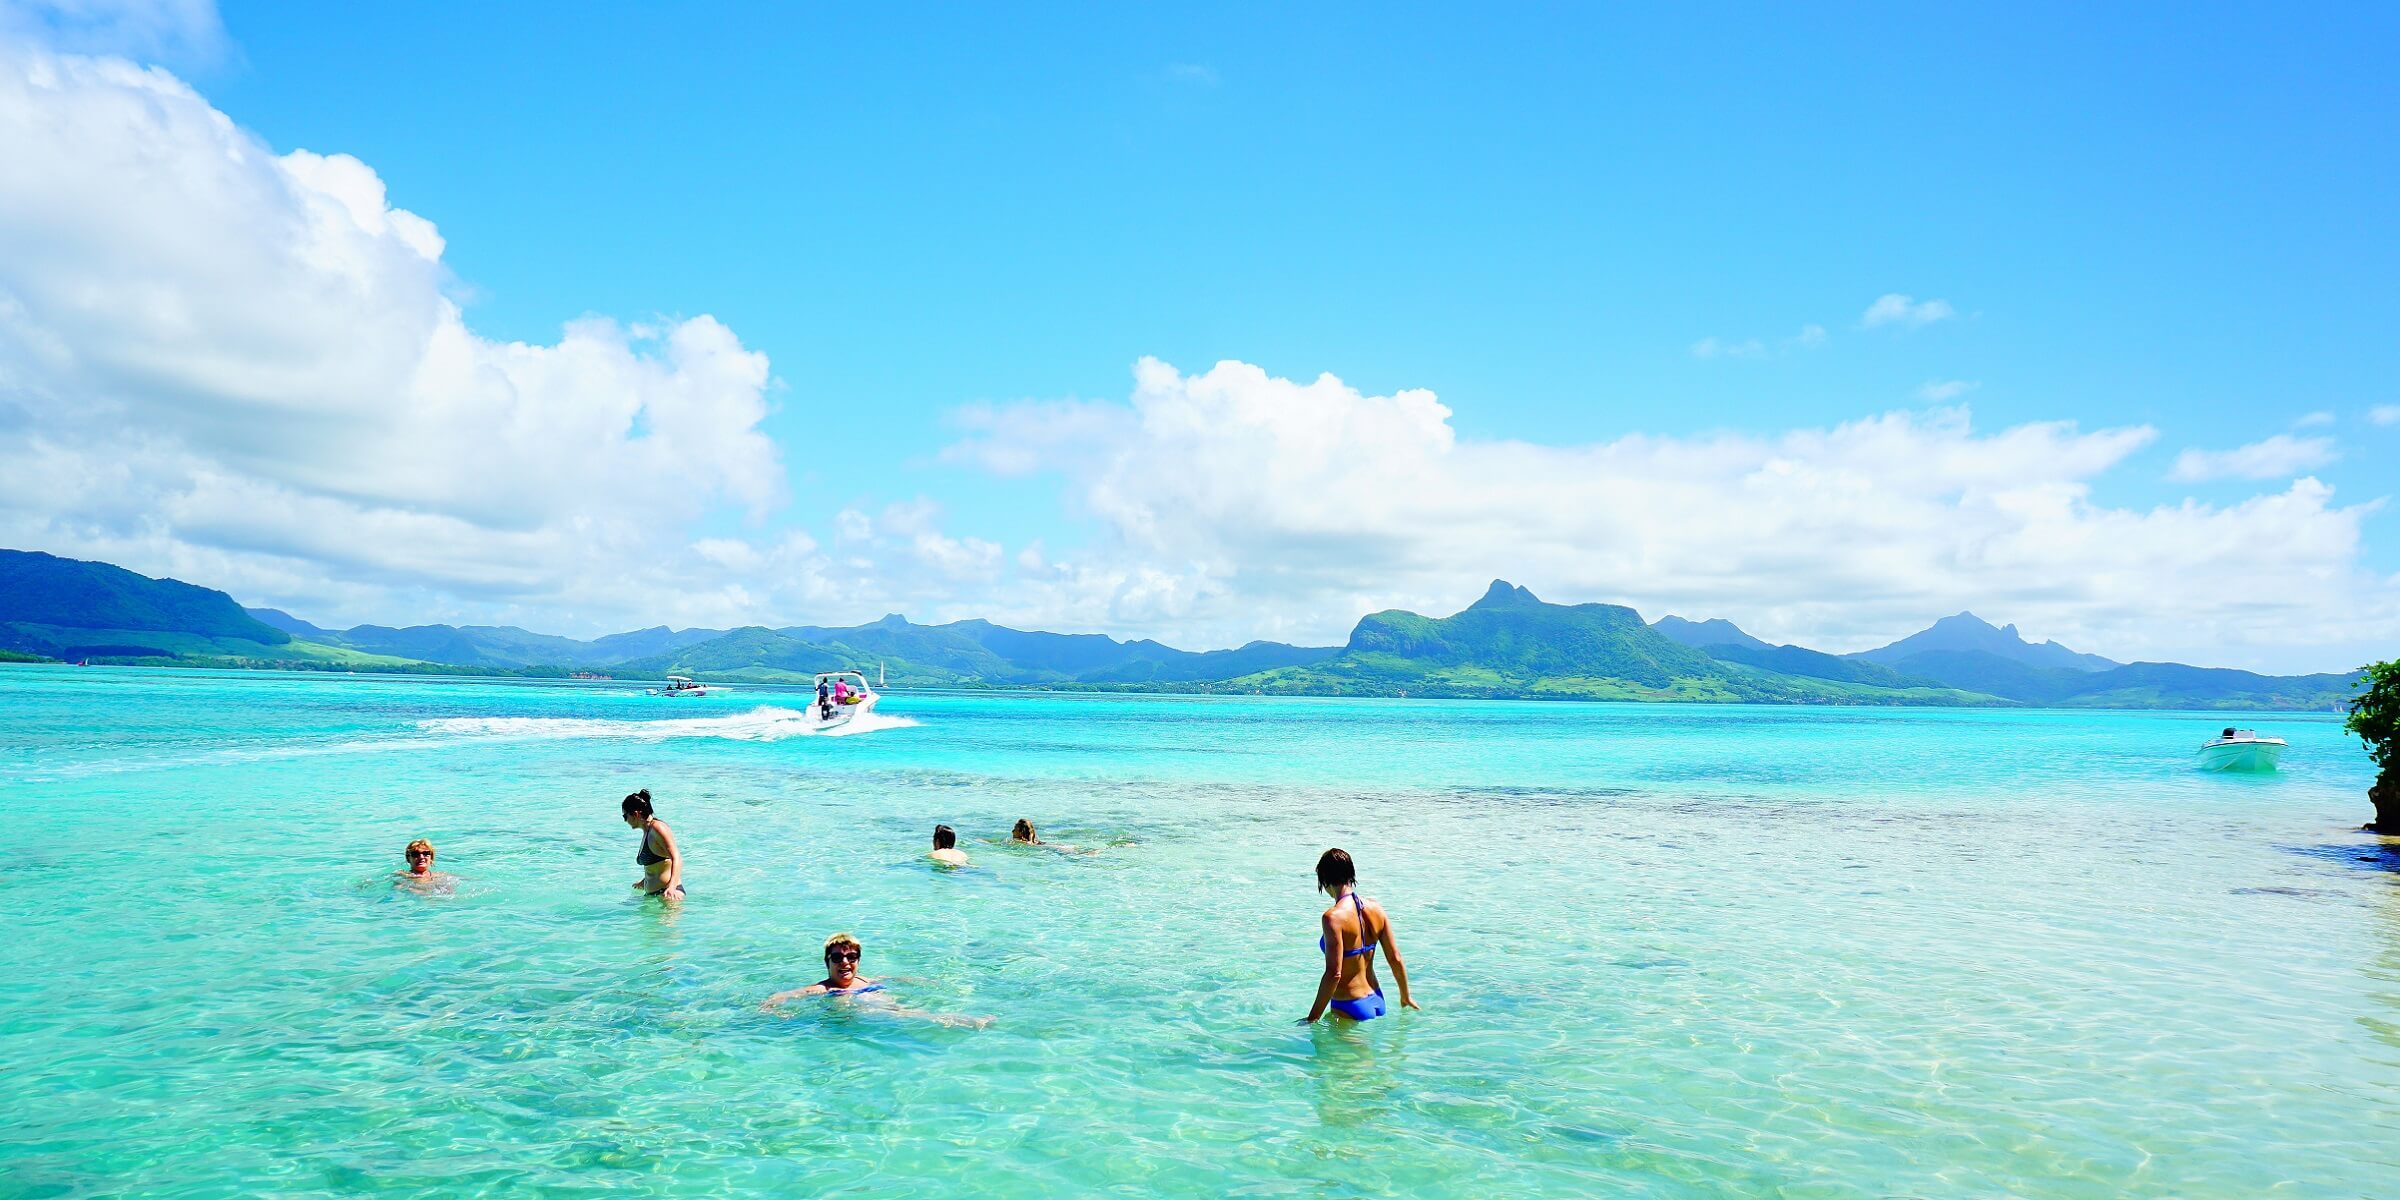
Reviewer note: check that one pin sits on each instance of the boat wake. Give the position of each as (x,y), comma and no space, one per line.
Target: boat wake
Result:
(764,724)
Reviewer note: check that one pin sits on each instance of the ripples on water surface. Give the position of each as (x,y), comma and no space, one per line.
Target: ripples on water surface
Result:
(1663,950)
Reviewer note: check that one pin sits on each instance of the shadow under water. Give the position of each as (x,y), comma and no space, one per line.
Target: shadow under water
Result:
(2382,853)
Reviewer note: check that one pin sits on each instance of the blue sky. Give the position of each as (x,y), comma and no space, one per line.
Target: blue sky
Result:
(2174,220)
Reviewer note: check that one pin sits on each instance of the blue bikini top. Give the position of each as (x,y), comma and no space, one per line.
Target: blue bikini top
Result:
(1366,947)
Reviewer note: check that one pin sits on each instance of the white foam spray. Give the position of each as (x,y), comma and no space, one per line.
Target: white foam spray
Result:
(764,724)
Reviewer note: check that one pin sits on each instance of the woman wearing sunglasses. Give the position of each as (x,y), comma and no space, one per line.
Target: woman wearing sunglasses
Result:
(660,859)
(420,875)
(842,953)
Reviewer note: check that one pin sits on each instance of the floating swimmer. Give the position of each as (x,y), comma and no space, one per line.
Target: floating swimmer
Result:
(1353,929)
(842,952)
(420,875)
(945,847)
(1023,835)
(660,860)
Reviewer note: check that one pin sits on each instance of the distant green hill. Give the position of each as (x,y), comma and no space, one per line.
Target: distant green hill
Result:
(1700,635)
(1968,633)
(1508,644)
(2135,685)
(70,609)
(1511,644)
(961,654)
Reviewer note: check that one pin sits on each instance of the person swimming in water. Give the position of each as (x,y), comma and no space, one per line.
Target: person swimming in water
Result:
(1023,835)
(842,954)
(420,875)
(945,847)
(661,861)
(1353,929)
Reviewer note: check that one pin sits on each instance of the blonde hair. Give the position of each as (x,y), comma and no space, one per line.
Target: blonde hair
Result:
(842,939)
(419,844)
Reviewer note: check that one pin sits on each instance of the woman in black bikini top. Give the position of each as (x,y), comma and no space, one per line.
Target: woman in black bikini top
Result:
(662,868)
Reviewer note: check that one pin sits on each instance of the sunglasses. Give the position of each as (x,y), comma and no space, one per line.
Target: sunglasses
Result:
(420,854)
(851,955)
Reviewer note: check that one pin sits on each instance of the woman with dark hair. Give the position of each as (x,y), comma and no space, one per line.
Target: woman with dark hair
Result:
(1353,929)
(661,861)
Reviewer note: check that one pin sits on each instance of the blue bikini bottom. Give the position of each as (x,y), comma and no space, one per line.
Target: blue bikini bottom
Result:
(1365,1008)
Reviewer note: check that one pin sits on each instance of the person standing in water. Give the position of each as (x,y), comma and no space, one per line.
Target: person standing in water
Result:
(1354,928)
(945,847)
(420,875)
(661,861)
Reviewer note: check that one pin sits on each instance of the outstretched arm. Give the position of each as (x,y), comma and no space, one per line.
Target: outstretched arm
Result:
(1391,950)
(1333,971)
(776,1000)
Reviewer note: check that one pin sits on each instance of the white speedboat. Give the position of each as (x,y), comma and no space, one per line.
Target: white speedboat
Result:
(682,685)
(843,697)
(2241,750)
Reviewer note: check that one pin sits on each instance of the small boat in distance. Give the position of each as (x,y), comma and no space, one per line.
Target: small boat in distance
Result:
(846,698)
(682,685)
(2241,750)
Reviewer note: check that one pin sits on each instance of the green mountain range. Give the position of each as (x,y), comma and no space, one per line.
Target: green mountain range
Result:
(1509,644)
(1512,644)
(1969,654)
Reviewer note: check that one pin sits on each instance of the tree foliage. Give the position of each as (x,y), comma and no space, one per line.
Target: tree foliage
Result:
(2375,714)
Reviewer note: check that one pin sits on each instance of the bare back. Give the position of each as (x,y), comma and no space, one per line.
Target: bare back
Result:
(1356,926)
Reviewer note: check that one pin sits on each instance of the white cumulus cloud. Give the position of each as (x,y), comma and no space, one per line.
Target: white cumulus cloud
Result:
(2279,457)
(2384,414)
(240,364)
(1893,308)
(1232,497)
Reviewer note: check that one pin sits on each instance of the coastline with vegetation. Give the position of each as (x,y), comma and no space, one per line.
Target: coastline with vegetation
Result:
(1508,645)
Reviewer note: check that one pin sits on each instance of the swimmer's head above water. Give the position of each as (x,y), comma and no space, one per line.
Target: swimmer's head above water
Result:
(841,959)
(419,856)
(944,837)
(1023,832)
(637,808)
(1335,872)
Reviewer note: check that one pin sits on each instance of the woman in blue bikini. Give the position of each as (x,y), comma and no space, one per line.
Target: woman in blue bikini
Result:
(1354,927)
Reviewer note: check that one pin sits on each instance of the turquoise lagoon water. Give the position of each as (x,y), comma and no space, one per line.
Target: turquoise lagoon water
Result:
(1662,950)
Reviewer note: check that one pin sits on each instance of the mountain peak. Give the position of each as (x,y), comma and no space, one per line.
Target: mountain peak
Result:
(1504,594)
(1965,620)
(1967,632)
(892,621)
(1715,631)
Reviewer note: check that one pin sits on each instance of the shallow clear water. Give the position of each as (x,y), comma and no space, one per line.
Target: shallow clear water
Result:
(1662,950)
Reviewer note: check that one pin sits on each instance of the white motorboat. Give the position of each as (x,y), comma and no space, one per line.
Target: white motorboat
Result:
(682,685)
(842,697)
(2241,750)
